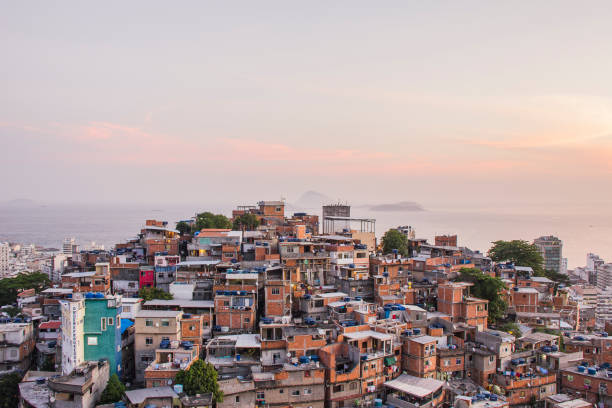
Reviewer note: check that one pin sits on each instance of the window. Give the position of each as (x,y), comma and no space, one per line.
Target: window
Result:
(307,391)
(148,322)
(92,341)
(275,291)
(458,361)
(281,391)
(165,322)
(192,327)
(353,386)
(491,358)
(522,394)
(237,398)
(261,395)
(103,323)
(570,378)
(247,319)
(111,321)
(446,363)
(149,341)
(295,393)
(587,381)
(338,388)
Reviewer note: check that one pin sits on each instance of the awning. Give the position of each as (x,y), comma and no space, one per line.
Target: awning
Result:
(389,361)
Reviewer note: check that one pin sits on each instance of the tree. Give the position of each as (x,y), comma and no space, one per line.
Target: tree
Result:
(200,378)
(113,392)
(9,384)
(48,364)
(393,239)
(209,220)
(486,287)
(10,287)
(247,221)
(511,328)
(154,293)
(12,311)
(183,228)
(519,252)
(555,277)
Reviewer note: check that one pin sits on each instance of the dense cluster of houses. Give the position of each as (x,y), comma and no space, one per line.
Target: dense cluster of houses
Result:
(290,316)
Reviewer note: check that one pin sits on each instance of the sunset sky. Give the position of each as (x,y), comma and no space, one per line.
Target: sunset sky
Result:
(365,101)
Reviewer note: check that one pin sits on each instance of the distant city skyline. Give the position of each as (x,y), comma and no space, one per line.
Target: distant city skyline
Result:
(430,102)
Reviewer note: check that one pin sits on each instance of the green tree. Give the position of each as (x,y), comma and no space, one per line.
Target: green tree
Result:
(511,328)
(154,293)
(486,287)
(247,221)
(12,311)
(558,278)
(10,287)
(183,228)
(519,252)
(209,220)
(48,364)
(200,378)
(393,239)
(113,392)
(9,384)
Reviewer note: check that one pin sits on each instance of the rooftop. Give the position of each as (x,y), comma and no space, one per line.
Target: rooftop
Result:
(424,339)
(181,303)
(158,313)
(140,395)
(53,324)
(419,387)
(368,333)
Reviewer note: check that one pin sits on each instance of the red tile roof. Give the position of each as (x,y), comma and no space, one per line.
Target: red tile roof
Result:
(53,324)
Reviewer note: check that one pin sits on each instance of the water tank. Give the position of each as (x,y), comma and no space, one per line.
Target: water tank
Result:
(592,371)
(581,369)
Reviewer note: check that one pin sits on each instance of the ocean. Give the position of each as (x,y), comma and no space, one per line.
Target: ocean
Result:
(582,230)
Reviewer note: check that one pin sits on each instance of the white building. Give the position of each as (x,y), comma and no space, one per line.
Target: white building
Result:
(604,276)
(5,251)
(73,317)
(593,261)
(69,246)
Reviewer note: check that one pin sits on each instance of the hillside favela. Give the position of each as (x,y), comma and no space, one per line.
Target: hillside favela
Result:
(305,204)
(269,309)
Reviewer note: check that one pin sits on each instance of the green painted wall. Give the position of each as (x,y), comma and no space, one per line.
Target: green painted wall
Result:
(109,340)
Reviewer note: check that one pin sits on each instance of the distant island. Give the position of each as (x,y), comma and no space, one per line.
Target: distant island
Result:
(401,206)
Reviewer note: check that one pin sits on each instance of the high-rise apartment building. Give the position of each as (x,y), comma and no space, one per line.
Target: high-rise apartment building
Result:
(593,261)
(69,246)
(551,249)
(603,275)
(5,250)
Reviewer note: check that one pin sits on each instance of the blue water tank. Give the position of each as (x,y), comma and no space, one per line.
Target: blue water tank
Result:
(592,371)
(581,369)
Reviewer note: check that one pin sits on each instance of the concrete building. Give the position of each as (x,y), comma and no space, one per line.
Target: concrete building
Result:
(551,249)
(73,318)
(69,247)
(151,327)
(5,251)
(80,389)
(16,345)
(102,330)
(604,276)
(593,261)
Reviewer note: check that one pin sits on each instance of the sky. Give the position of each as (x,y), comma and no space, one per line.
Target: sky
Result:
(466,102)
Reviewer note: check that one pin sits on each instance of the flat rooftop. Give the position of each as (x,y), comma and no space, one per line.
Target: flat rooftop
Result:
(419,387)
